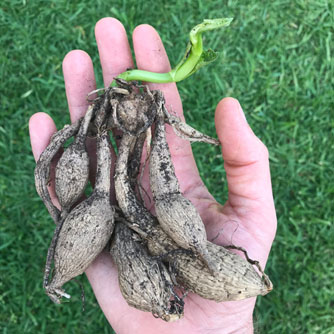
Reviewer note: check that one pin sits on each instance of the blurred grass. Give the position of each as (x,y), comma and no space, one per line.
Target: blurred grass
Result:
(277,58)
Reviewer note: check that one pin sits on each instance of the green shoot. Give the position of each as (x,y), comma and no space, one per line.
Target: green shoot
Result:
(195,57)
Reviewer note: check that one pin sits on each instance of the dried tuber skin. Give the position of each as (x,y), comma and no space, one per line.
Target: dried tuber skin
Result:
(134,113)
(175,238)
(43,166)
(177,215)
(135,160)
(125,173)
(185,131)
(234,273)
(144,282)
(72,170)
(140,218)
(190,271)
(162,245)
(235,279)
(87,228)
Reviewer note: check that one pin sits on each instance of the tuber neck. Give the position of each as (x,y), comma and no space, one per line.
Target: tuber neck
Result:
(103,179)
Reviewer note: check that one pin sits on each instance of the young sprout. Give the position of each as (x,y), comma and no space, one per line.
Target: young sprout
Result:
(195,57)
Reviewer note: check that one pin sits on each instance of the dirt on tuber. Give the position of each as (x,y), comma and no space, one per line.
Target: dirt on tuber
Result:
(156,255)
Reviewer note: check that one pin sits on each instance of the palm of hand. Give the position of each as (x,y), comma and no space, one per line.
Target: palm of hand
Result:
(247,219)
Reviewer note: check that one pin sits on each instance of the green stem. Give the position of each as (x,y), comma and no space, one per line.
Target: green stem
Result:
(142,75)
(187,67)
(194,58)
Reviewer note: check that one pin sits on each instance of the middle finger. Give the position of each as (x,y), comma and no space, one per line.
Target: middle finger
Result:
(114,48)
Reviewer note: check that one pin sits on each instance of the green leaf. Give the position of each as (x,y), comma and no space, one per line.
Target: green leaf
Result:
(207,57)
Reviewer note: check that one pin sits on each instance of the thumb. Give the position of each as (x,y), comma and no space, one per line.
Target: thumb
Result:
(246,159)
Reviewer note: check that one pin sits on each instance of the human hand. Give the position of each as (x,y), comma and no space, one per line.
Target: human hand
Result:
(247,219)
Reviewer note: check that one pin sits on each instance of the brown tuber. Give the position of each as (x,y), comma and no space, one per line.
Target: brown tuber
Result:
(72,170)
(87,228)
(144,282)
(154,254)
(177,215)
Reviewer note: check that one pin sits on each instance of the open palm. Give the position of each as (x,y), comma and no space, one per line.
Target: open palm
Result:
(247,219)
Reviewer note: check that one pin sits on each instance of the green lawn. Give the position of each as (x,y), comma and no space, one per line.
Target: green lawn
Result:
(277,58)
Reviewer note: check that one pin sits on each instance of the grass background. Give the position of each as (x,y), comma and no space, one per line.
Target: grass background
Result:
(277,58)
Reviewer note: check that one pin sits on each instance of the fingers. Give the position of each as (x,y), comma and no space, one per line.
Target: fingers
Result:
(151,56)
(114,49)
(79,81)
(41,128)
(245,158)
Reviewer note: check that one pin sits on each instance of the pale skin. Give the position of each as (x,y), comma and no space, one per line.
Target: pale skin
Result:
(247,219)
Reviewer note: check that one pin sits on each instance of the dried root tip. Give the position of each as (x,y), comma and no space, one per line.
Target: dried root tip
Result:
(93,92)
(171,317)
(120,91)
(185,131)
(55,294)
(267,283)
(265,278)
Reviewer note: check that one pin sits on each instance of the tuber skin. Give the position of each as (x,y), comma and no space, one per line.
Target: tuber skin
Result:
(43,166)
(134,113)
(220,284)
(144,282)
(160,244)
(176,237)
(87,228)
(134,212)
(135,160)
(125,173)
(72,170)
(177,215)
(235,279)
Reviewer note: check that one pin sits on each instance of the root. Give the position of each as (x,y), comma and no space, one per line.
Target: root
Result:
(50,254)
(56,293)
(185,131)
(222,230)
(255,263)
(95,91)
